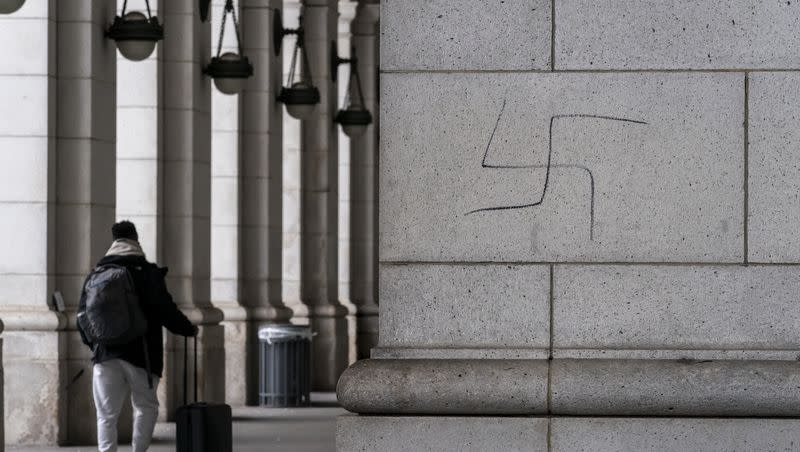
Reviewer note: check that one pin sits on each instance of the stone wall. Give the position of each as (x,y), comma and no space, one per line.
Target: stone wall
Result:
(587,208)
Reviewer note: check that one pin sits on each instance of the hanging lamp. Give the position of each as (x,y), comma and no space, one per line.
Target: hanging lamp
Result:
(136,34)
(354,117)
(229,70)
(300,97)
(10,6)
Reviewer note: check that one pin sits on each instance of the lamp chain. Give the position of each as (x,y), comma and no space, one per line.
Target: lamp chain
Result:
(146,2)
(221,33)
(294,61)
(355,74)
(229,9)
(305,74)
(348,100)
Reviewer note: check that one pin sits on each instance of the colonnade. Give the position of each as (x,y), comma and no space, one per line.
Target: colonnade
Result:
(239,200)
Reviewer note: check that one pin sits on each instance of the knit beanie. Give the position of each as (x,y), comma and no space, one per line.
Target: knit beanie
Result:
(124,230)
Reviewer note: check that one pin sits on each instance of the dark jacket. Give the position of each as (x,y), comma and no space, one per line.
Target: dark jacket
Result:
(157,305)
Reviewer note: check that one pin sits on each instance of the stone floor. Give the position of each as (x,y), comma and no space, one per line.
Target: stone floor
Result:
(256,429)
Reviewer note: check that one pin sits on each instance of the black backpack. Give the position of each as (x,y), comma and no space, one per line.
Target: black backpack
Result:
(112,314)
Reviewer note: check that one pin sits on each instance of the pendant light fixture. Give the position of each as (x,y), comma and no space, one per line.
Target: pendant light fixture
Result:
(300,97)
(10,6)
(354,117)
(229,70)
(136,34)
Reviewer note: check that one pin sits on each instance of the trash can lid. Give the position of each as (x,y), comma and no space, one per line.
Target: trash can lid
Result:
(277,332)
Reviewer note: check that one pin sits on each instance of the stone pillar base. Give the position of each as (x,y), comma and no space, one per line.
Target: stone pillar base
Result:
(210,368)
(562,434)
(34,399)
(236,344)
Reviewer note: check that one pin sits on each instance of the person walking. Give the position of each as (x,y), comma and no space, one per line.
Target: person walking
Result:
(124,305)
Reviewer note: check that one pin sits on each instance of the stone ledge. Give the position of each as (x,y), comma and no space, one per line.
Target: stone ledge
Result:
(572,387)
(447,386)
(673,387)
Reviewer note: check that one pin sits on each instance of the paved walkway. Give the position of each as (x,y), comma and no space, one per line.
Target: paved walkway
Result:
(256,430)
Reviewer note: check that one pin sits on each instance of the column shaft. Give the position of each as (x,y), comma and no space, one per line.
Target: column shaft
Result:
(319,203)
(363,188)
(347,12)
(226,240)
(34,359)
(262,184)
(187,198)
(85,181)
(291,181)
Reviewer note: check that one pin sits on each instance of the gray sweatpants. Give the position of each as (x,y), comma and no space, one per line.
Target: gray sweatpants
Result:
(113,381)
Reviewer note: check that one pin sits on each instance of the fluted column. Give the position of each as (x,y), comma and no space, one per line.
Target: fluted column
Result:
(363,188)
(187,198)
(261,183)
(319,202)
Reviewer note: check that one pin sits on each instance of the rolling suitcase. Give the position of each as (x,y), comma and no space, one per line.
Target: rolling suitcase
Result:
(202,427)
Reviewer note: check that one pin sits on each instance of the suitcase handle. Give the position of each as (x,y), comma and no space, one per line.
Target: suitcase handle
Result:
(186,369)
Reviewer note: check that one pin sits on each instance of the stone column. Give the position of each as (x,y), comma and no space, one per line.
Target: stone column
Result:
(319,201)
(226,269)
(85,183)
(33,361)
(291,181)
(363,188)
(187,198)
(347,12)
(262,184)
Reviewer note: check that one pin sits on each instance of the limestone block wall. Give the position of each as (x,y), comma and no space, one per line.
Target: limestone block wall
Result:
(605,193)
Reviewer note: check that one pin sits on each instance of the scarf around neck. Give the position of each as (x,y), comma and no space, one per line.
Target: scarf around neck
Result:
(125,247)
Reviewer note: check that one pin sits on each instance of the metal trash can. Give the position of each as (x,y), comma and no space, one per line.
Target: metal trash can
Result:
(284,366)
